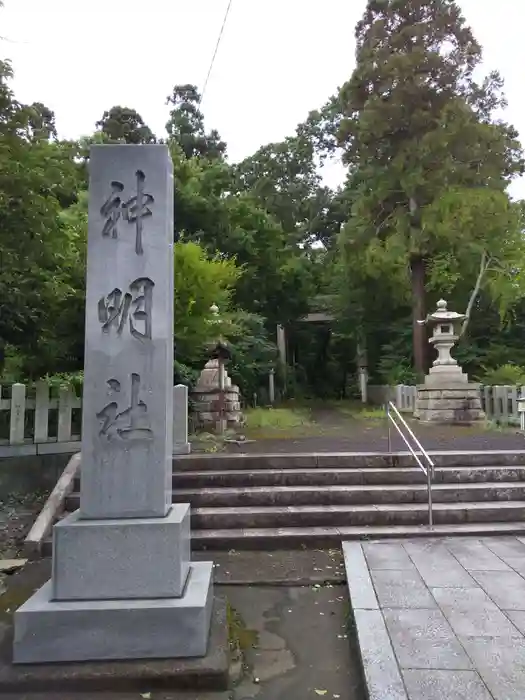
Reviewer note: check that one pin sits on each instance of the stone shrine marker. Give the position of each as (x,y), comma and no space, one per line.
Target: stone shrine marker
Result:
(127,421)
(123,585)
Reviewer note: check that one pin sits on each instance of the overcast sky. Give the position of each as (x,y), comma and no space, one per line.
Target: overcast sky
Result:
(278,59)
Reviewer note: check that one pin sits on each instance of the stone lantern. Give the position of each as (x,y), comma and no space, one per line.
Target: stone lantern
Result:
(217,401)
(447,396)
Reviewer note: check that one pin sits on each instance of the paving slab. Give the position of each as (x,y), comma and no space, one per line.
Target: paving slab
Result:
(382,675)
(437,566)
(506,588)
(474,555)
(500,663)
(424,639)
(455,627)
(402,589)
(387,556)
(437,685)
(471,613)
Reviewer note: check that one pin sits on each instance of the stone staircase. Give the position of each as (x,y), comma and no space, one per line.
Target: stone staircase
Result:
(294,500)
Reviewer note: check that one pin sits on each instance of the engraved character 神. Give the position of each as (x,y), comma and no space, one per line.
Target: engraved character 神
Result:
(116,308)
(137,208)
(130,424)
(111,210)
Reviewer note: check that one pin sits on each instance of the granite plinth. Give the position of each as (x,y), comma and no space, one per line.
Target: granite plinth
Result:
(449,403)
(48,631)
(197,674)
(444,375)
(127,406)
(121,559)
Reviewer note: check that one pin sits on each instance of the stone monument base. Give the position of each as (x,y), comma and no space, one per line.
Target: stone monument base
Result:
(189,676)
(47,630)
(122,559)
(455,403)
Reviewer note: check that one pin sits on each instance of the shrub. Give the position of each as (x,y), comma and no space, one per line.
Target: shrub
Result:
(505,375)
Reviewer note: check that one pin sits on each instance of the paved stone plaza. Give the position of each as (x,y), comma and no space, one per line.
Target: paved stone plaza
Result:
(440,618)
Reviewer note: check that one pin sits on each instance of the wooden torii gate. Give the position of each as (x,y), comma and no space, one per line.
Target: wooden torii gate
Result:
(362,363)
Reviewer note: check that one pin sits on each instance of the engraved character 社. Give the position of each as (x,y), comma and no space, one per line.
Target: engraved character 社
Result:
(133,210)
(136,305)
(130,424)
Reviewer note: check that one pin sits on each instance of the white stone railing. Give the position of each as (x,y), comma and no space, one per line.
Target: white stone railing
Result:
(499,402)
(29,426)
(35,421)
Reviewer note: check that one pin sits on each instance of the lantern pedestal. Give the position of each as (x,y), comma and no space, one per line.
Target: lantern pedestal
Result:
(447,397)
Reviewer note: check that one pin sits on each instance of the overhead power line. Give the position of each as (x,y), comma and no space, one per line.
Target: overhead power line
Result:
(216,49)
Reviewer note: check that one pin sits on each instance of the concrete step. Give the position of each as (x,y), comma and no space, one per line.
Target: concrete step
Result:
(345,516)
(344,476)
(310,537)
(275,538)
(342,460)
(406,476)
(227,497)
(347,495)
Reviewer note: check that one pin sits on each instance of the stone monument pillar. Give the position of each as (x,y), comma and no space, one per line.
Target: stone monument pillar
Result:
(123,585)
(447,397)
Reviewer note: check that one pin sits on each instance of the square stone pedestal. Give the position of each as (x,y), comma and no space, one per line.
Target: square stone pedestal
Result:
(453,404)
(120,589)
(48,630)
(124,558)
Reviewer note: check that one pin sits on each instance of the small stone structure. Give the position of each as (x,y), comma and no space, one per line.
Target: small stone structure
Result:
(207,399)
(181,445)
(447,396)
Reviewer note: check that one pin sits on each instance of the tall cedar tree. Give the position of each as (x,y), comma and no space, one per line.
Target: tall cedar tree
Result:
(125,124)
(416,125)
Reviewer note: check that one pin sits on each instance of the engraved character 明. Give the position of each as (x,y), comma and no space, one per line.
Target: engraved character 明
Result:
(117,307)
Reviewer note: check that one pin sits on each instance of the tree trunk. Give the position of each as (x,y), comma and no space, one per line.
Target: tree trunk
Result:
(484,263)
(419,338)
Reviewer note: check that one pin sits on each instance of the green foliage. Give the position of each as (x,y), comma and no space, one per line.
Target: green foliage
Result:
(253,354)
(275,282)
(186,125)
(37,177)
(200,282)
(68,380)
(393,370)
(429,163)
(183,374)
(125,125)
(505,375)
(424,212)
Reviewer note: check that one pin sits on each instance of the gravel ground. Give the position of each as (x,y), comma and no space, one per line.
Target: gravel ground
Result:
(333,431)
(17,515)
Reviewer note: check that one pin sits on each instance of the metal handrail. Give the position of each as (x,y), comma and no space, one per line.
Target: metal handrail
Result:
(427,470)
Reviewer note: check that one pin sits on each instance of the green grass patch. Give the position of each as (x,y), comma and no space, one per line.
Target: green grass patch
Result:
(277,418)
(355,409)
